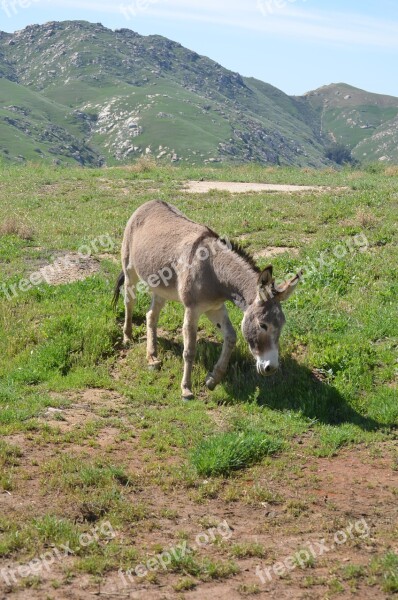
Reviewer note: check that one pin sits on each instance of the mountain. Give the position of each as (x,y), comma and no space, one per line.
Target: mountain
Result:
(366,123)
(75,91)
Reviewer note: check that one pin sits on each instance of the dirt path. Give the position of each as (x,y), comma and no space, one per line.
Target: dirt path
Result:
(203,187)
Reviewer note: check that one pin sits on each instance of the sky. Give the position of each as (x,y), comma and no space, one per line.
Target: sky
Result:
(296,45)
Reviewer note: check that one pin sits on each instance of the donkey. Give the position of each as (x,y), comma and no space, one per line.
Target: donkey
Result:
(181,260)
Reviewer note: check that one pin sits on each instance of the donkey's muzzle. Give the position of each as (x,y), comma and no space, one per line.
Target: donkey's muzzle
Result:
(265,367)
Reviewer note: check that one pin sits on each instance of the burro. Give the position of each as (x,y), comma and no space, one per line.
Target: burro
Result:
(177,259)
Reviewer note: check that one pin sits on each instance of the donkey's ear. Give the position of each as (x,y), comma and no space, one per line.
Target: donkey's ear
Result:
(265,285)
(286,289)
(265,277)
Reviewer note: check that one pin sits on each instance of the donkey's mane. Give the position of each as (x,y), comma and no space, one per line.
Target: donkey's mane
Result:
(235,247)
(243,253)
(232,245)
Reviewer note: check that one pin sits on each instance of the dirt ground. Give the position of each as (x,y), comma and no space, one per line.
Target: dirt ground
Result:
(203,187)
(67,267)
(321,496)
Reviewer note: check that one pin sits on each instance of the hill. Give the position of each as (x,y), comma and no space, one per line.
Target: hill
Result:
(75,91)
(363,121)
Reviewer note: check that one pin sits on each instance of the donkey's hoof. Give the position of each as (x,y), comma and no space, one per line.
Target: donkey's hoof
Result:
(154,364)
(210,382)
(126,341)
(187,394)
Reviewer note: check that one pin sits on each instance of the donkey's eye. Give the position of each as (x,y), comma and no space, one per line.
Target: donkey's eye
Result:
(264,326)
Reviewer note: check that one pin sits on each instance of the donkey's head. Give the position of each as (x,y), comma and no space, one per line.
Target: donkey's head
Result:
(263,320)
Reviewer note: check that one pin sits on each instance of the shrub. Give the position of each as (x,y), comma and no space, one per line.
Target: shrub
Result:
(339,154)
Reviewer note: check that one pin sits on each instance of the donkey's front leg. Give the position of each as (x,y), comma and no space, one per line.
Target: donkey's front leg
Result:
(221,320)
(189,331)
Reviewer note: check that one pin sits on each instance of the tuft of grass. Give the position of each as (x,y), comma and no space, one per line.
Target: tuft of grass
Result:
(49,529)
(248,550)
(187,563)
(226,452)
(304,563)
(335,586)
(331,439)
(249,589)
(144,164)
(220,570)
(259,494)
(9,458)
(12,226)
(75,473)
(9,454)
(352,572)
(37,534)
(184,584)
(386,568)
(296,507)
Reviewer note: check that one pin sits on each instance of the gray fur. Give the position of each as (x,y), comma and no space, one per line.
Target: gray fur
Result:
(184,261)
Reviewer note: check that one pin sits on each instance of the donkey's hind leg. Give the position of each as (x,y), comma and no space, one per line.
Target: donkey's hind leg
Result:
(152,318)
(130,279)
(221,319)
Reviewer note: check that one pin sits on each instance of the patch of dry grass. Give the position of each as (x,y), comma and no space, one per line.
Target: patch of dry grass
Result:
(12,226)
(366,219)
(143,165)
(391,171)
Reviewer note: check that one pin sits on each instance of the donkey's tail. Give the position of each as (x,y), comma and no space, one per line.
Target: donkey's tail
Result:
(116,293)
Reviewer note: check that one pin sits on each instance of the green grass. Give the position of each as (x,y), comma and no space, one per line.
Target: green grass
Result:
(227,452)
(67,335)
(335,391)
(247,550)
(386,567)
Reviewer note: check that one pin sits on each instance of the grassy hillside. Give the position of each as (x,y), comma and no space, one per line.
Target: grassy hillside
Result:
(364,122)
(118,95)
(94,444)
(33,127)
(134,94)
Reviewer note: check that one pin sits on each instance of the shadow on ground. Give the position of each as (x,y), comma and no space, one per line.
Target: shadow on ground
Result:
(293,387)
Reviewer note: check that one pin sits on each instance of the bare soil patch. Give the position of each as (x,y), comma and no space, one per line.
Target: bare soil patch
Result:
(69,267)
(271,251)
(203,187)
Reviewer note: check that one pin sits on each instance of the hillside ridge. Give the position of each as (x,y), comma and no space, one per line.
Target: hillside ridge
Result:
(75,91)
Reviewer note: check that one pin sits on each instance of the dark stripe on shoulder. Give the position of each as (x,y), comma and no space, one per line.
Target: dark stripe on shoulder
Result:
(208,233)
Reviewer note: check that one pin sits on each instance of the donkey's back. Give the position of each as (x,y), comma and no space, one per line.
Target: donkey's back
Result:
(157,236)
